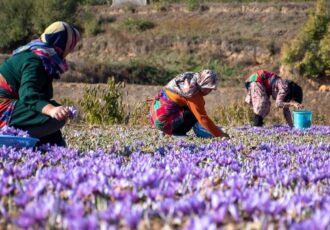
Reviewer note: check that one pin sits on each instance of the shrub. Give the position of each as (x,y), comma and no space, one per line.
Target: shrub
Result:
(103,105)
(23,20)
(306,51)
(325,51)
(225,71)
(192,5)
(90,23)
(144,73)
(233,115)
(48,11)
(138,25)
(15,18)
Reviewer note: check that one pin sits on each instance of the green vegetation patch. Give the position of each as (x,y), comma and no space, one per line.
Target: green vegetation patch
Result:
(309,52)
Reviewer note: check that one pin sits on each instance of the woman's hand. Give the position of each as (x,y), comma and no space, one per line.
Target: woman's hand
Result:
(296,105)
(60,113)
(224,136)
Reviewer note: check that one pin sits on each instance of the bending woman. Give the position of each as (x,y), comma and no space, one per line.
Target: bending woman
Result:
(180,104)
(26,84)
(263,84)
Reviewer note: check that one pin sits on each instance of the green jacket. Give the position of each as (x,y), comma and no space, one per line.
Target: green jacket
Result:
(26,73)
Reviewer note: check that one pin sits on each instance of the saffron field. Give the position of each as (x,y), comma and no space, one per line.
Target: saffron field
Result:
(134,178)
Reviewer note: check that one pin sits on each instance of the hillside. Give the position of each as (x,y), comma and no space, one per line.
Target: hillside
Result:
(149,45)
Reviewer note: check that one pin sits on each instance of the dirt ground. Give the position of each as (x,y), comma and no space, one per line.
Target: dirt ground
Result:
(313,99)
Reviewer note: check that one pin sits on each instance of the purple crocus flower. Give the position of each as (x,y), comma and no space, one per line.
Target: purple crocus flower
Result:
(83,223)
(11,131)
(73,112)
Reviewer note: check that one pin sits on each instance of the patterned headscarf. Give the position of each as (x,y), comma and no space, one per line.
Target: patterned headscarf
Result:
(189,83)
(57,41)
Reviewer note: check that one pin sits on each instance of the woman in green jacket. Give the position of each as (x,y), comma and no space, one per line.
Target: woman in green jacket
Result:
(26,84)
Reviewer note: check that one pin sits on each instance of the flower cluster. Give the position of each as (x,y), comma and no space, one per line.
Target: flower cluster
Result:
(161,181)
(11,131)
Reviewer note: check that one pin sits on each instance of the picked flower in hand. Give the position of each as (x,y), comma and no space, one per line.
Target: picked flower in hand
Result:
(73,112)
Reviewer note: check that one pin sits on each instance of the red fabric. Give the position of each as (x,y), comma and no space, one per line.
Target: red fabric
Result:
(265,77)
(8,98)
(167,116)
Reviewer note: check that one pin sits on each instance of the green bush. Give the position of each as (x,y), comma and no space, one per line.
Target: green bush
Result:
(103,105)
(145,73)
(15,26)
(138,25)
(22,21)
(48,11)
(325,51)
(192,5)
(227,73)
(306,52)
(90,23)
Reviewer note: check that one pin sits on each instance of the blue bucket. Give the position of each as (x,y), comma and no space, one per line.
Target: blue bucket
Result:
(302,119)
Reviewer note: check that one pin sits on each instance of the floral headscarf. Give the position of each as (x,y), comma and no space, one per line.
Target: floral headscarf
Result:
(189,83)
(57,41)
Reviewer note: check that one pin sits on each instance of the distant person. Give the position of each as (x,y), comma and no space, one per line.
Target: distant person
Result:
(180,104)
(26,89)
(263,84)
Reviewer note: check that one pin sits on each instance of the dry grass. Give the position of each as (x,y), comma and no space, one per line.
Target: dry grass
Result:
(224,97)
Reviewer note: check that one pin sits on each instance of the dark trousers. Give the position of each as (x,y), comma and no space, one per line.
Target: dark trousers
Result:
(258,121)
(189,120)
(49,132)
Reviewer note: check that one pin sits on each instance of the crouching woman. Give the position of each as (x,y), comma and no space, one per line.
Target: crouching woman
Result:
(26,84)
(180,104)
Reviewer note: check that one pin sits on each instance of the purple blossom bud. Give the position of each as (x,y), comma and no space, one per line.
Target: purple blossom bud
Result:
(73,112)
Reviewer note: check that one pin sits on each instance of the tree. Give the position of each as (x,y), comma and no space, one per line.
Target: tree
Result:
(49,11)
(305,52)
(15,21)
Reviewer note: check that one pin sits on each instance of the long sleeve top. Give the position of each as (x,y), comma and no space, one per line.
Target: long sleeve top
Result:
(196,104)
(26,74)
(259,99)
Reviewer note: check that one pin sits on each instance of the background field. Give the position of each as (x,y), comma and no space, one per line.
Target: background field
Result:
(147,46)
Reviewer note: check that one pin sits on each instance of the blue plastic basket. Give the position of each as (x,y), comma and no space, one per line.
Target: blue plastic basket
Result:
(200,131)
(302,119)
(18,142)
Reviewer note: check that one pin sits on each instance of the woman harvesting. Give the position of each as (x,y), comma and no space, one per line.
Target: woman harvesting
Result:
(180,104)
(26,84)
(264,84)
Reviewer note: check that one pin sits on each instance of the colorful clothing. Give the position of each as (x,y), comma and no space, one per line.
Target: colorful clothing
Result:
(265,78)
(8,97)
(58,40)
(259,98)
(189,83)
(31,70)
(196,105)
(53,63)
(183,96)
(165,114)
